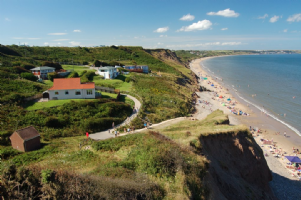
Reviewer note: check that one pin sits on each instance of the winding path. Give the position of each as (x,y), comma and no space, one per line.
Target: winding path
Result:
(107,133)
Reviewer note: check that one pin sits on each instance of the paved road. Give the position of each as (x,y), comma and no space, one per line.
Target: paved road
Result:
(106,134)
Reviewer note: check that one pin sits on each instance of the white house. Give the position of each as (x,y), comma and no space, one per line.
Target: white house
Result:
(108,72)
(70,88)
(41,72)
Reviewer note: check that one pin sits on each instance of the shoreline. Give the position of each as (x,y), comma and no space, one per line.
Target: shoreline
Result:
(255,118)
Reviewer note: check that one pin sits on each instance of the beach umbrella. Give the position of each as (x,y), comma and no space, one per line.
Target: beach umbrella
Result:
(205,78)
(228,99)
(212,85)
(293,159)
(224,104)
(220,96)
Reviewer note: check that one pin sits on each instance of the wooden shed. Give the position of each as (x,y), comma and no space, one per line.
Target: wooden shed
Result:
(26,139)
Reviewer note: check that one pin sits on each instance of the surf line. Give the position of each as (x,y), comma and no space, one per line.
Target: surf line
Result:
(271,115)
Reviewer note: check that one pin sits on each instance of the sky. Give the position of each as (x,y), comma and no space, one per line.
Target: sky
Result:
(168,24)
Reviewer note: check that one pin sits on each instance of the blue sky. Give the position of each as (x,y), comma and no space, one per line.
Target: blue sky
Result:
(171,24)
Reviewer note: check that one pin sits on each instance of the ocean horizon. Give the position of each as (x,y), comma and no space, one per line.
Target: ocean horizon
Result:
(270,82)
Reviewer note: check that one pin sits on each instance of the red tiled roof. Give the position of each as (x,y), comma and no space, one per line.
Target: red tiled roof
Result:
(70,84)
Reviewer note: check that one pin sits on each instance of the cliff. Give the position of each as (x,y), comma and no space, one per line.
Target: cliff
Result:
(237,169)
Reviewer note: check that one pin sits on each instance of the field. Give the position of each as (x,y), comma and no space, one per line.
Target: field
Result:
(51,103)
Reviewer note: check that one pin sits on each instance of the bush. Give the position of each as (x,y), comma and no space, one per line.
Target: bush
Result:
(128,79)
(20,70)
(29,76)
(4,137)
(53,75)
(8,152)
(73,75)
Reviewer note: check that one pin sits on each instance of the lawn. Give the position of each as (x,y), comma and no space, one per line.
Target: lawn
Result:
(52,103)
(117,83)
(123,98)
(76,68)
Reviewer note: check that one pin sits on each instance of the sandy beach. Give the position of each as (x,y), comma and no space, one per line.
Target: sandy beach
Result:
(227,100)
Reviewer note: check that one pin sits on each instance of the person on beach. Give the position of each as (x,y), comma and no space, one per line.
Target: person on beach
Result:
(284,134)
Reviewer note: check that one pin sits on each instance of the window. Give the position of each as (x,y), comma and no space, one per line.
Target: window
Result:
(66,92)
(89,92)
(56,93)
(77,92)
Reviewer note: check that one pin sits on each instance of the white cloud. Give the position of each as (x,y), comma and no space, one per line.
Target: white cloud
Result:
(61,40)
(206,44)
(6,19)
(294,18)
(274,19)
(73,43)
(162,30)
(285,31)
(46,43)
(263,17)
(163,35)
(200,25)
(224,29)
(225,13)
(231,43)
(77,31)
(57,33)
(187,17)
(159,43)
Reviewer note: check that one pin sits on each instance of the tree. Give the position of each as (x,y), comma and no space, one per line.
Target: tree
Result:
(29,76)
(97,63)
(57,66)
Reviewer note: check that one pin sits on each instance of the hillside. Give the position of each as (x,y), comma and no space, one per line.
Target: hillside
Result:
(182,161)
(185,160)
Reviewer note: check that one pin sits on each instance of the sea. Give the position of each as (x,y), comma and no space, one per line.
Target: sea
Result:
(270,82)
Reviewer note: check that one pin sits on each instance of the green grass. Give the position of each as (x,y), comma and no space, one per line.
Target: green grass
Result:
(52,103)
(117,83)
(48,83)
(107,95)
(76,68)
(123,98)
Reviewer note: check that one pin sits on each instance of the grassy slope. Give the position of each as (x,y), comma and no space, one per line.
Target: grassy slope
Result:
(168,163)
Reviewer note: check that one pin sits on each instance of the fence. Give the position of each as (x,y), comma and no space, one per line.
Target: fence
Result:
(105,89)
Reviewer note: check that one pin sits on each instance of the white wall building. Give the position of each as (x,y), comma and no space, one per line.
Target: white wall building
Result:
(42,72)
(70,88)
(108,72)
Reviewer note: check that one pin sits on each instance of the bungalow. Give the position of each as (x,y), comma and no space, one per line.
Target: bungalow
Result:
(108,72)
(70,88)
(138,68)
(26,139)
(41,72)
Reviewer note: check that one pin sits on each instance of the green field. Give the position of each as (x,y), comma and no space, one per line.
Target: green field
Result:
(51,103)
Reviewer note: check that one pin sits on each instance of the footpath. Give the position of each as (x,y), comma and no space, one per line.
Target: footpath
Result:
(103,135)
(109,133)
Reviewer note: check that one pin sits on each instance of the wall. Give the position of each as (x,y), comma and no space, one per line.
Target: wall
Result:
(32,144)
(71,94)
(17,142)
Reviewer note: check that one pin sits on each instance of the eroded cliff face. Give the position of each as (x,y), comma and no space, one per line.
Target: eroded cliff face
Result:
(238,169)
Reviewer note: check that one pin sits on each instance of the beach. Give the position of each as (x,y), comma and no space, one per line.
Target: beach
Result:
(241,112)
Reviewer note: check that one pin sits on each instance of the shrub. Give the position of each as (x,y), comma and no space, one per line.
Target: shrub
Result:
(47,175)
(73,75)
(53,75)
(8,152)
(29,76)
(53,122)
(128,79)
